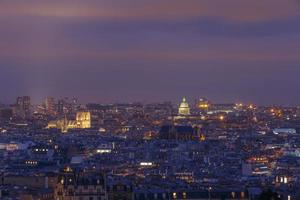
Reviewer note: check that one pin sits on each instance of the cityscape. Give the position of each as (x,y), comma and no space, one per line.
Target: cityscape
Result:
(193,149)
(149,100)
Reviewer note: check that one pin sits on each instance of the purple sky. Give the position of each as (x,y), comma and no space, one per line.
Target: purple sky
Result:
(151,50)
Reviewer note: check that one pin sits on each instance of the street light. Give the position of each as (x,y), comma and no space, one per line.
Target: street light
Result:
(209,195)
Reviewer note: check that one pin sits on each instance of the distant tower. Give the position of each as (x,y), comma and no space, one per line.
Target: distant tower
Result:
(50,105)
(60,106)
(24,106)
(184,108)
(64,126)
(24,103)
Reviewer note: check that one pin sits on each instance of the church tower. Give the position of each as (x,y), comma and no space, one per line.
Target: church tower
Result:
(83,119)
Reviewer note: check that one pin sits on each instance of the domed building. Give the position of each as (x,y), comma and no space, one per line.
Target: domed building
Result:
(184,108)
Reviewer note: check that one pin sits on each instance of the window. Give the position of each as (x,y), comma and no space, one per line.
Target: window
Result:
(184,195)
(174,195)
(242,195)
(233,195)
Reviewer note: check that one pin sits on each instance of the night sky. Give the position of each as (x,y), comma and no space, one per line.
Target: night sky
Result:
(151,50)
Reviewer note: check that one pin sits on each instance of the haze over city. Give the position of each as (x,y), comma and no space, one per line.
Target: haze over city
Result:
(149,100)
(150,51)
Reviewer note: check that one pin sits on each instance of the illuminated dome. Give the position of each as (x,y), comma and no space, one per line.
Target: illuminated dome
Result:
(184,108)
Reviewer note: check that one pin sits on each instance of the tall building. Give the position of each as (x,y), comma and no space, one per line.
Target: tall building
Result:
(24,102)
(50,105)
(6,114)
(74,104)
(66,105)
(60,106)
(184,108)
(23,106)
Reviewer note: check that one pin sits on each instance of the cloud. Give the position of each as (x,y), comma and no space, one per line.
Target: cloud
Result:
(230,10)
(97,48)
(51,40)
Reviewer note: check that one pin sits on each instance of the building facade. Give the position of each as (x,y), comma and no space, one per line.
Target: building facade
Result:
(80,186)
(184,108)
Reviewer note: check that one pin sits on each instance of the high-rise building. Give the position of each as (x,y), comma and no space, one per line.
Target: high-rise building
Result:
(23,106)
(74,104)
(184,108)
(66,105)
(50,105)
(60,106)
(6,114)
(24,102)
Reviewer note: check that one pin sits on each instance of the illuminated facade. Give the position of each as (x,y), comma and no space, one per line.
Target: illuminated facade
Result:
(83,121)
(184,108)
(80,185)
(203,104)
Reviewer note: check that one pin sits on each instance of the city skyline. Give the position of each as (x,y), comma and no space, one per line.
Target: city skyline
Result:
(103,51)
(177,101)
(150,100)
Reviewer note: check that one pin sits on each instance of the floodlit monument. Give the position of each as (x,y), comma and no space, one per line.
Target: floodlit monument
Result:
(184,108)
(83,121)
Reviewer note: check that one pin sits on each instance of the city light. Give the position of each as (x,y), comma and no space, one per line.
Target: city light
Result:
(150,100)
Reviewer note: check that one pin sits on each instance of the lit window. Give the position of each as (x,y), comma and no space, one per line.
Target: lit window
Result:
(174,195)
(184,195)
(233,194)
(242,195)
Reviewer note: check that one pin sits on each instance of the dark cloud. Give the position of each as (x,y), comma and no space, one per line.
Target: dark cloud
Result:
(151,50)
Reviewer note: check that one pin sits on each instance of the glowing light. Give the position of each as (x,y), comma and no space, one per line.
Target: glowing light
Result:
(184,195)
(146,163)
(202,137)
(68,169)
(203,106)
(83,121)
(184,108)
(174,195)
(101,151)
(221,118)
